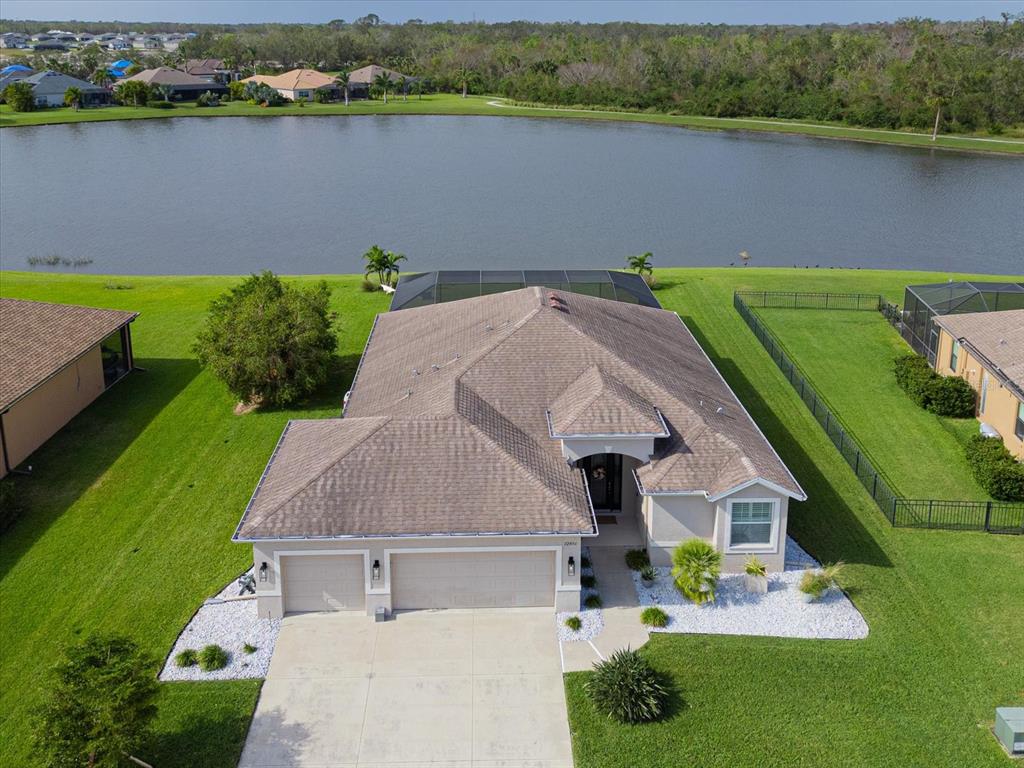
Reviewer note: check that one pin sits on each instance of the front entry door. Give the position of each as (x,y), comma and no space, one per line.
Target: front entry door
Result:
(604,479)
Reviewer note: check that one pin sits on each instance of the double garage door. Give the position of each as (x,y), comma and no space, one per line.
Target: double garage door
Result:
(421,580)
(472,580)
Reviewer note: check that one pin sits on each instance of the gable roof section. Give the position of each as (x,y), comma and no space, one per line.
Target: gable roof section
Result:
(167,76)
(294,80)
(366,75)
(38,339)
(997,337)
(598,404)
(466,387)
(50,82)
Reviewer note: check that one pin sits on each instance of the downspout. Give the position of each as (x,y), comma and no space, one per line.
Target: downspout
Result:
(3,444)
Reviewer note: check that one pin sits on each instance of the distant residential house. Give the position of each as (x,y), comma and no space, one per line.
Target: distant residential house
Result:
(298,84)
(13,40)
(986,349)
(118,44)
(41,36)
(211,70)
(148,43)
(183,86)
(55,359)
(49,45)
(13,74)
(49,88)
(361,80)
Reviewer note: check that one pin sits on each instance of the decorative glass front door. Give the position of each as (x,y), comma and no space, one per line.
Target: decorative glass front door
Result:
(604,479)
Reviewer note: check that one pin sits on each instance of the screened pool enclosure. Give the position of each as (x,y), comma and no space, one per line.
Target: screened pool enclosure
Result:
(419,290)
(923,302)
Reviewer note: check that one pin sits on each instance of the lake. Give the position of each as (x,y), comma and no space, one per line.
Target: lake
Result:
(311,194)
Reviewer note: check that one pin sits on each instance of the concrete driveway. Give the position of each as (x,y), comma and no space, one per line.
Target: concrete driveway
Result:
(448,689)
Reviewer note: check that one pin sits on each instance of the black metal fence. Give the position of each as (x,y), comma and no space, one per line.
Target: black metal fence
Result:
(994,516)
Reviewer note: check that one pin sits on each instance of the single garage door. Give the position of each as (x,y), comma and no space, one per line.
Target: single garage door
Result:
(472,580)
(323,583)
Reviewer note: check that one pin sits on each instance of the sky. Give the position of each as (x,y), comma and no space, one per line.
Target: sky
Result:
(652,11)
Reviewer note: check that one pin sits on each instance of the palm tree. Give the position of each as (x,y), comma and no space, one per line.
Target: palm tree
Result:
(390,264)
(165,91)
(641,264)
(403,86)
(342,82)
(383,84)
(375,262)
(73,97)
(464,75)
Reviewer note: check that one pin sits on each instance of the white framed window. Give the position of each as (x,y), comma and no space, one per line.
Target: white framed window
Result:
(954,356)
(752,525)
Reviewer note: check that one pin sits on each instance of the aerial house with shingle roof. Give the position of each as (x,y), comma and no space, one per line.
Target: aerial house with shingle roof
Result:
(55,359)
(487,440)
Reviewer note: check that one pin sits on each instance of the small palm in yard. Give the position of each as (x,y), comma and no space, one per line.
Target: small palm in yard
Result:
(382,83)
(625,687)
(695,569)
(641,264)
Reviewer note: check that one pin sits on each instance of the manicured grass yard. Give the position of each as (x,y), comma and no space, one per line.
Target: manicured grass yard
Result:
(135,502)
(848,356)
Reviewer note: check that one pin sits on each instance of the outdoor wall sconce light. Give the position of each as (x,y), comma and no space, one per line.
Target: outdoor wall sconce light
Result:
(264,570)
(376,570)
(572,565)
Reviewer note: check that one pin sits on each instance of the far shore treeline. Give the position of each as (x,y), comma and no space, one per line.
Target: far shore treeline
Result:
(914,73)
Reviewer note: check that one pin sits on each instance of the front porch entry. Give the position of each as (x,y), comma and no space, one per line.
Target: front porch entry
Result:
(615,498)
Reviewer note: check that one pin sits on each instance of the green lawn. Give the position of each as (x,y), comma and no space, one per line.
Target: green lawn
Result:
(848,357)
(134,504)
(449,104)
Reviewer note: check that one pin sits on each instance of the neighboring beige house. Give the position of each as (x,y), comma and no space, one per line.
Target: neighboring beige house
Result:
(987,350)
(180,85)
(361,80)
(55,359)
(486,441)
(298,84)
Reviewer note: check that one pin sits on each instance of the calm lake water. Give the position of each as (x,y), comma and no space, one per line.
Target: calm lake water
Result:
(309,195)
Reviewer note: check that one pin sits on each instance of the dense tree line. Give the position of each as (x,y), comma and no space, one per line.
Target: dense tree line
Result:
(966,75)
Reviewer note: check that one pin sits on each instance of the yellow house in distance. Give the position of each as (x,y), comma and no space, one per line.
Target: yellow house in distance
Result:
(987,350)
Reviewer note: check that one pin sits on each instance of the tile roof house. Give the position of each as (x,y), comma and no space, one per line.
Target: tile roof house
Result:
(211,70)
(523,424)
(361,80)
(987,350)
(298,84)
(55,359)
(49,88)
(182,86)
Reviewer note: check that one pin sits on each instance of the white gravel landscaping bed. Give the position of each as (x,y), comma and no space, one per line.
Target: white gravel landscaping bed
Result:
(780,613)
(593,621)
(229,624)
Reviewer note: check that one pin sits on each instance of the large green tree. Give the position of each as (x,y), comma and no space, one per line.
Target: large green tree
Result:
(20,97)
(134,92)
(100,705)
(269,342)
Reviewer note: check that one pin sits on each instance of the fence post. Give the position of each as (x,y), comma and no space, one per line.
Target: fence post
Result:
(874,487)
(826,300)
(828,416)
(892,519)
(988,514)
(930,503)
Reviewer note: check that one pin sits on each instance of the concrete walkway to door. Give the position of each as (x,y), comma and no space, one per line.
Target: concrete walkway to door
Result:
(620,611)
(448,689)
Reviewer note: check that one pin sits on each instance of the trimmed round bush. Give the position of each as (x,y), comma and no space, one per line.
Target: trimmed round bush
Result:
(588,581)
(637,559)
(626,688)
(186,658)
(995,469)
(654,617)
(575,623)
(212,658)
(584,562)
(159,104)
(592,601)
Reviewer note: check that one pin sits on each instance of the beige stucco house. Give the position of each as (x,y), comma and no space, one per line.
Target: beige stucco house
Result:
(55,359)
(987,350)
(486,441)
(298,84)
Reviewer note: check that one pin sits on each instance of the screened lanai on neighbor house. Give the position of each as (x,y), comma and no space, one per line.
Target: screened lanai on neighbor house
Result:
(486,440)
(922,303)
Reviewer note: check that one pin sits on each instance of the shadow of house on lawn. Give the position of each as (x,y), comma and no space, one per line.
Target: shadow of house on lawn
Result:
(833,529)
(74,459)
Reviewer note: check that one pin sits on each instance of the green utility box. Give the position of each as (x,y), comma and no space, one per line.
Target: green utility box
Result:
(1010,729)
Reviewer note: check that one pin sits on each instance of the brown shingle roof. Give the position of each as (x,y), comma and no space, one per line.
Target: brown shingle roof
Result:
(465,388)
(366,75)
(166,76)
(599,404)
(294,79)
(37,339)
(997,336)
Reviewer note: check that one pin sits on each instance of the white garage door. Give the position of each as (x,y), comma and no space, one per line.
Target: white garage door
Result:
(323,583)
(472,580)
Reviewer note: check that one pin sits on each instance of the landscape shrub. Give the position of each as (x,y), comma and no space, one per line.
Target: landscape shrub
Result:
(186,658)
(212,658)
(637,559)
(20,97)
(592,601)
(249,648)
(269,342)
(133,92)
(159,104)
(995,469)
(322,96)
(941,395)
(649,573)
(587,581)
(208,99)
(575,623)
(584,562)
(755,567)
(261,93)
(817,581)
(626,688)
(653,616)
(695,568)
(11,505)
(236,90)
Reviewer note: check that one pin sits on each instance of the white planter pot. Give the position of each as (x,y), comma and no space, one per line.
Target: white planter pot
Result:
(647,582)
(756,585)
